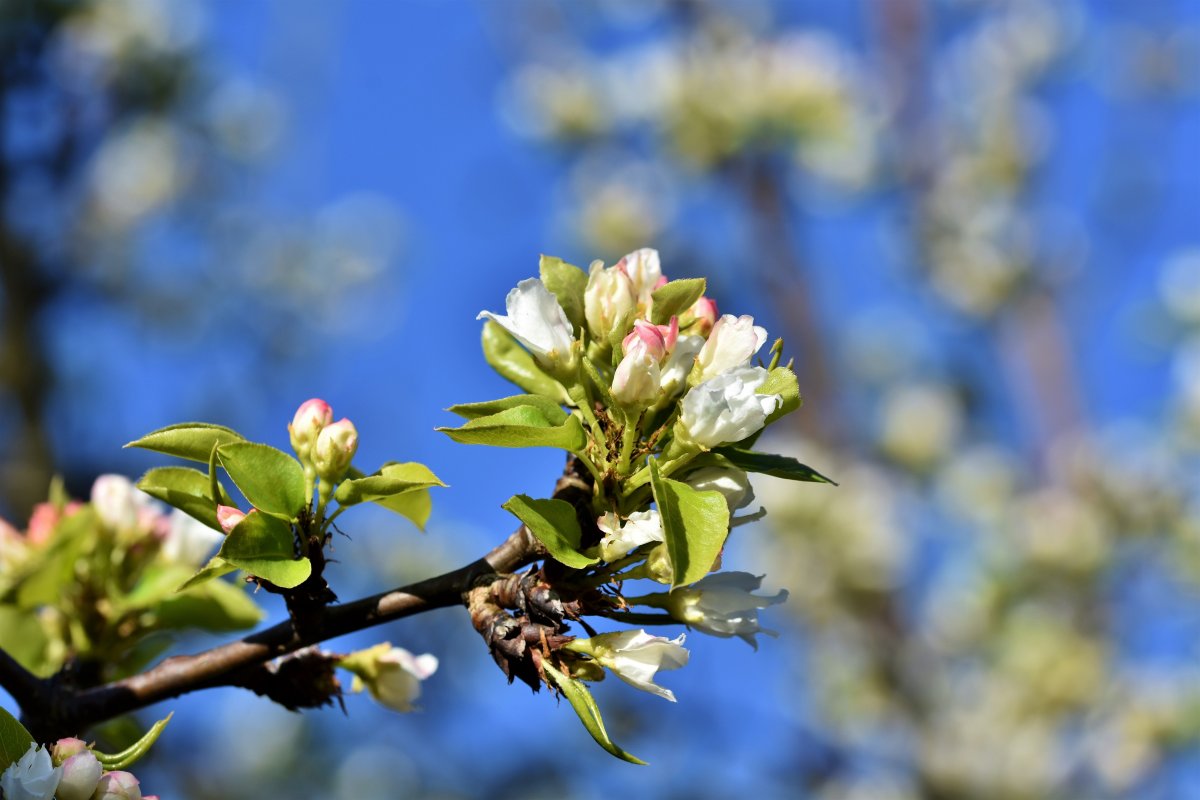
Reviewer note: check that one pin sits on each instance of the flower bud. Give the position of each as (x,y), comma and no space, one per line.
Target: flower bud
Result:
(118,785)
(645,273)
(731,482)
(65,748)
(608,298)
(731,343)
(701,317)
(306,425)
(658,565)
(334,450)
(80,777)
(637,377)
(229,517)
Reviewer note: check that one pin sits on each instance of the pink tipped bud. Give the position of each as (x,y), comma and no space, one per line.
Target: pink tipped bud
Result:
(334,450)
(306,425)
(41,523)
(80,776)
(703,314)
(229,517)
(65,748)
(118,786)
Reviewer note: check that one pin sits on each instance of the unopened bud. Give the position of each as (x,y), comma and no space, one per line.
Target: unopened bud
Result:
(65,748)
(228,517)
(118,786)
(80,776)
(702,315)
(658,565)
(310,418)
(334,450)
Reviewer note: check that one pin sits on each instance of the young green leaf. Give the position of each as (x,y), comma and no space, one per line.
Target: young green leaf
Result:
(186,489)
(270,479)
(567,283)
(694,523)
(217,607)
(554,524)
(414,506)
(513,362)
(523,426)
(674,298)
(215,568)
(550,408)
(768,464)
(589,713)
(25,640)
(392,479)
(191,440)
(14,739)
(126,757)
(264,546)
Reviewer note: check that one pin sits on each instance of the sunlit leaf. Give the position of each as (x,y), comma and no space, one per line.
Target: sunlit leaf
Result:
(554,524)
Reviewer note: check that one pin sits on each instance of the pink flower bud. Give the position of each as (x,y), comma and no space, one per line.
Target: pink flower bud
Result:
(80,776)
(306,425)
(658,339)
(65,748)
(334,450)
(703,314)
(118,786)
(229,517)
(41,523)
(636,379)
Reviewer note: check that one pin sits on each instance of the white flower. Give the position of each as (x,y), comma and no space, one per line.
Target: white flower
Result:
(645,273)
(636,657)
(392,674)
(731,482)
(636,379)
(640,528)
(537,320)
(727,408)
(120,506)
(731,343)
(722,605)
(188,541)
(609,297)
(32,777)
(675,369)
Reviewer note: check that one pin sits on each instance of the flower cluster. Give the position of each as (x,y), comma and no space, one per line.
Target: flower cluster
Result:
(659,399)
(67,770)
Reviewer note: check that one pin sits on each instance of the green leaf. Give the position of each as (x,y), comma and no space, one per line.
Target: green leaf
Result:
(550,408)
(392,479)
(128,756)
(567,283)
(768,464)
(674,298)
(695,525)
(25,640)
(264,546)
(190,440)
(513,362)
(217,607)
(14,739)
(49,570)
(589,713)
(215,568)
(270,479)
(415,506)
(186,489)
(523,426)
(781,381)
(554,524)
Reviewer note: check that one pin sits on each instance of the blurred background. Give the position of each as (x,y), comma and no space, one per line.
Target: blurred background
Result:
(975,222)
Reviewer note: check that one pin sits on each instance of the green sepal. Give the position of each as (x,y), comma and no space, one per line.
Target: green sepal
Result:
(186,489)
(672,299)
(555,525)
(215,568)
(270,479)
(129,755)
(589,713)
(695,525)
(522,426)
(550,408)
(776,466)
(392,479)
(567,283)
(14,739)
(264,546)
(191,440)
(505,354)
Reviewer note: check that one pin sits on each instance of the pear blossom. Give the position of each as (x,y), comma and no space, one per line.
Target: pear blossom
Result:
(731,482)
(674,373)
(609,296)
(537,321)
(723,605)
(81,775)
(635,657)
(727,408)
(65,748)
(120,505)
(641,527)
(645,274)
(702,314)
(391,674)
(118,785)
(334,450)
(306,425)
(731,343)
(189,541)
(636,379)
(31,777)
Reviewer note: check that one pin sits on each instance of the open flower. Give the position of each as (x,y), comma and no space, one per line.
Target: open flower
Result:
(640,528)
(722,605)
(537,321)
(635,657)
(727,408)
(31,777)
(731,343)
(391,674)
